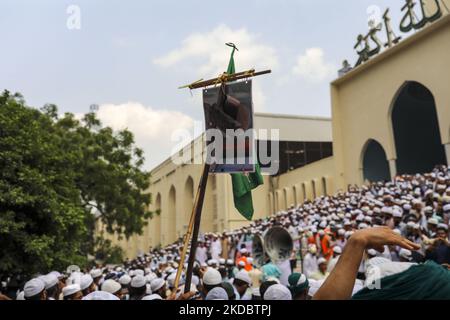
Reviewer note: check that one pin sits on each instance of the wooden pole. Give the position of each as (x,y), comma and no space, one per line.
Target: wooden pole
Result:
(198,215)
(187,237)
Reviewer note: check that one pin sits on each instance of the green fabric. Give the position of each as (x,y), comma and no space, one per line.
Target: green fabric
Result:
(243,184)
(270,271)
(428,281)
(294,286)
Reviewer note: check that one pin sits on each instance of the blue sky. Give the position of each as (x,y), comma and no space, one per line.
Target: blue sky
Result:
(130,56)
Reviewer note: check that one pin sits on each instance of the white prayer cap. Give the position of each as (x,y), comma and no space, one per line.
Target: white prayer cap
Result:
(321,233)
(277,292)
(111,286)
(372,252)
(217,293)
(100,295)
(56,274)
(428,209)
(406,254)
(95,273)
(446,208)
(442,226)
(323,224)
(138,281)
(21,296)
(33,287)
(139,272)
(321,260)
(397,231)
(222,261)
(407,206)
(150,277)
(212,277)
(125,280)
(203,265)
(230,262)
(341,232)
(157,284)
(85,281)
(410,224)
(212,261)
(152,297)
(337,249)
(397,213)
(71,289)
(243,276)
(50,280)
(433,221)
(243,250)
(250,260)
(241,263)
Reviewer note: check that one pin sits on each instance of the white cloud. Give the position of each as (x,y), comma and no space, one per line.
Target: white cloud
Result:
(312,66)
(152,128)
(209,47)
(207,53)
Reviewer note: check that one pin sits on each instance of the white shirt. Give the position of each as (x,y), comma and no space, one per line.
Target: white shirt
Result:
(309,265)
(200,255)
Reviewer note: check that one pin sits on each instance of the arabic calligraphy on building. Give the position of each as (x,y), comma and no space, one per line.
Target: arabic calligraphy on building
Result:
(370,44)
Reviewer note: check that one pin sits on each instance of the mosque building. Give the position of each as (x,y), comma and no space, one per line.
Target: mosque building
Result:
(390,116)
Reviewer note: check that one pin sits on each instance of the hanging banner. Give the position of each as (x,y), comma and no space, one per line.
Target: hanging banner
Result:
(229,127)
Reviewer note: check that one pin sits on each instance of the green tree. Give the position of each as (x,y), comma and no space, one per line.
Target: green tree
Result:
(58,177)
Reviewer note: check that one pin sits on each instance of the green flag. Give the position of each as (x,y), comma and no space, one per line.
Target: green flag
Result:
(244,184)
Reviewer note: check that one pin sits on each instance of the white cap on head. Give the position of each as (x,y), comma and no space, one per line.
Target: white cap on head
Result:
(433,221)
(100,295)
(337,249)
(321,260)
(243,276)
(277,292)
(241,263)
(217,293)
(71,289)
(212,277)
(397,213)
(33,287)
(405,254)
(95,273)
(372,252)
(50,280)
(446,208)
(243,250)
(56,274)
(125,280)
(138,281)
(85,281)
(111,286)
(139,272)
(157,284)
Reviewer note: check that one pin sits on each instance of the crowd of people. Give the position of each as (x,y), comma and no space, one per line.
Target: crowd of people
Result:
(401,225)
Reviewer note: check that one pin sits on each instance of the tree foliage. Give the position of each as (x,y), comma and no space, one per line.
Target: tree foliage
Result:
(58,177)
